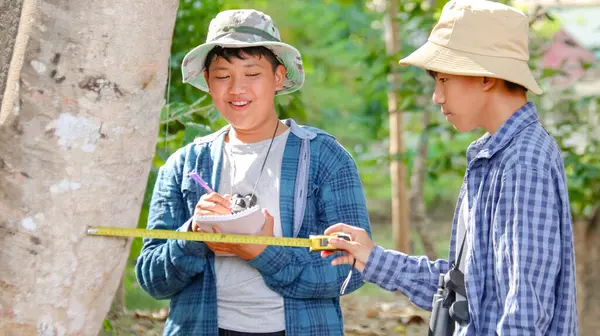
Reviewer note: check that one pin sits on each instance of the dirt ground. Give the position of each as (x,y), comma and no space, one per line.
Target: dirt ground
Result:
(363,316)
(374,316)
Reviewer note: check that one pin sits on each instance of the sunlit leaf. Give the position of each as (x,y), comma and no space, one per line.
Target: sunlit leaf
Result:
(107,326)
(193,130)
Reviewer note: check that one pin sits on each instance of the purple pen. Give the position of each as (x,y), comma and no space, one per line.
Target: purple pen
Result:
(200,181)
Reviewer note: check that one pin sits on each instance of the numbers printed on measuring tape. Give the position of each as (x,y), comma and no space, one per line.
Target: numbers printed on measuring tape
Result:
(314,242)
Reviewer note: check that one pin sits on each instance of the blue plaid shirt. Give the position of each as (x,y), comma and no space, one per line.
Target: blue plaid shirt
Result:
(520,269)
(183,271)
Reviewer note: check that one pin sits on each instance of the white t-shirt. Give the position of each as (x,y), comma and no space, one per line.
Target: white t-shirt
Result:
(244,301)
(463,220)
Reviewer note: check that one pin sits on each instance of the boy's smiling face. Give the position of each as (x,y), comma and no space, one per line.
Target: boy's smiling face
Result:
(243,90)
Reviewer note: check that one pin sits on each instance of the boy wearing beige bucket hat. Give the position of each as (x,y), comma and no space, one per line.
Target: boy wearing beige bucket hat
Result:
(301,177)
(513,272)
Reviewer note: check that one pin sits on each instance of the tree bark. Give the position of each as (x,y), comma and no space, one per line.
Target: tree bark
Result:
(117,308)
(400,212)
(78,126)
(418,216)
(587,249)
(10,13)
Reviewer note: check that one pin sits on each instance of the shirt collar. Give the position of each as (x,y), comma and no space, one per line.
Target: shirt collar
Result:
(300,132)
(295,129)
(488,145)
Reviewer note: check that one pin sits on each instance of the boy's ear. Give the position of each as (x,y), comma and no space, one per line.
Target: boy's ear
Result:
(206,79)
(488,83)
(280,73)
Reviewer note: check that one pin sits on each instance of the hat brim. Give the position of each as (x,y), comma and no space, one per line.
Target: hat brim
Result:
(193,63)
(437,58)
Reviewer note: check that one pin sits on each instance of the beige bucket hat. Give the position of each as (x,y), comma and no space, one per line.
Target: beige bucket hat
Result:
(241,28)
(478,38)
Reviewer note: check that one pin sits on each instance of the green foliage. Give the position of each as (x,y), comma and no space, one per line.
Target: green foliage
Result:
(577,138)
(107,326)
(569,118)
(191,25)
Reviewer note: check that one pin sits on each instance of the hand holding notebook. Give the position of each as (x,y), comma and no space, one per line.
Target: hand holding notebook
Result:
(249,222)
(242,221)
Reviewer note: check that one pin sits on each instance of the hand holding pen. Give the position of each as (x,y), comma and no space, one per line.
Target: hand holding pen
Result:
(201,182)
(211,203)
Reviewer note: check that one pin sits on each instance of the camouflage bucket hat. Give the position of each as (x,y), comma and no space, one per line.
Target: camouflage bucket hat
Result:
(238,29)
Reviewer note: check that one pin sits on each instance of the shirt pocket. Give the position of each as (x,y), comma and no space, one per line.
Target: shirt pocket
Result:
(312,193)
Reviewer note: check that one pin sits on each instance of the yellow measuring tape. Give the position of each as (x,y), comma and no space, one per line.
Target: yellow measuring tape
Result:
(313,242)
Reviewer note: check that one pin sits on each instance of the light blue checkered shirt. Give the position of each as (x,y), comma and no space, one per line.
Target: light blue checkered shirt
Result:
(520,269)
(183,271)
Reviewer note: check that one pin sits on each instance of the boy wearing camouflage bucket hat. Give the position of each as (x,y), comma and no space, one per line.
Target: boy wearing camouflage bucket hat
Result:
(301,177)
(512,223)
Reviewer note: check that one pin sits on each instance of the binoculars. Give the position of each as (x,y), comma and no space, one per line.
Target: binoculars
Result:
(447,311)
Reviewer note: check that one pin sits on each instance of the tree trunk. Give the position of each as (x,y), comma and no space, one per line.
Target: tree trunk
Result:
(117,308)
(587,249)
(400,215)
(10,12)
(78,126)
(418,216)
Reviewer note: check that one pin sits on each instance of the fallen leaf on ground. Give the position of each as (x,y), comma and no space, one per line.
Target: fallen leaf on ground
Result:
(413,319)
(400,329)
(160,315)
(372,313)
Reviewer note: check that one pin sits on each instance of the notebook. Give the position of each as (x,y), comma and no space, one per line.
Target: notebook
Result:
(248,222)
